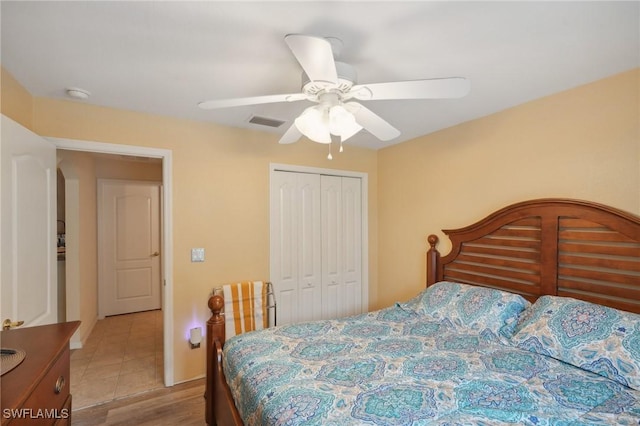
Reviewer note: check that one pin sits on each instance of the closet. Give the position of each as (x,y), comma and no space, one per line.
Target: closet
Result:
(316,246)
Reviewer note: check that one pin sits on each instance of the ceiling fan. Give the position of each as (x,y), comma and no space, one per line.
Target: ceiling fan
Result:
(332,86)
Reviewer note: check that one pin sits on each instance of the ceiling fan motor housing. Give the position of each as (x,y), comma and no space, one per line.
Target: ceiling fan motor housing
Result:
(347,77)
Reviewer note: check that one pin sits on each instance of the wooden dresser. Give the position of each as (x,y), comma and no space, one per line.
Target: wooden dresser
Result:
(36,392)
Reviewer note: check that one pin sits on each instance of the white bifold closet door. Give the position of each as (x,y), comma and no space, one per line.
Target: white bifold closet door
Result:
(295,246)
(341,224)
(316,246)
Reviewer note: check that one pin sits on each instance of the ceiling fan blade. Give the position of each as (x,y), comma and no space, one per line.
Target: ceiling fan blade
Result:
(372,122)
(314,55)
(291,135)
(437,88)
(253,100)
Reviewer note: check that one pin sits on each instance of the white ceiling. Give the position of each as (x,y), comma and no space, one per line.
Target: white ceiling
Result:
(164,57)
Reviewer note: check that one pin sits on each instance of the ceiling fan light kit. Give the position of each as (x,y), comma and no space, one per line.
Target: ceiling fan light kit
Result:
(328,118)
(332,85)
(313,124)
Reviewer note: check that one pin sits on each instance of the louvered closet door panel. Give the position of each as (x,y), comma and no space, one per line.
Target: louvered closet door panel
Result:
(352,246)
(332,291)
(309,240)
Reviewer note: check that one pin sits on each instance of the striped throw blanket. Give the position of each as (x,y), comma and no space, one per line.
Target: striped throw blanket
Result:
(245,307)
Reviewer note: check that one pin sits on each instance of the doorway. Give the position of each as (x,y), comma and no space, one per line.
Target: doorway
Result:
(166,256)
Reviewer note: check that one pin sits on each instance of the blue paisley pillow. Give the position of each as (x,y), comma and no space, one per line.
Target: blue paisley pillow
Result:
(471,307)
(596,338)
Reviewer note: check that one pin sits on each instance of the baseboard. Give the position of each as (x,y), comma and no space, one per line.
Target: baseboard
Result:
(77,341)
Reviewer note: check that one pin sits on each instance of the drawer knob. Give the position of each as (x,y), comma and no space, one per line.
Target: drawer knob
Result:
(59,385)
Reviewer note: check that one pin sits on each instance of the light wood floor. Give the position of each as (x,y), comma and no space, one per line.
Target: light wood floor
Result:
(182,405)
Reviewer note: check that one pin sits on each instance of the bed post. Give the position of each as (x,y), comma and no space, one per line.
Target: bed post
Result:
(215,332)
(433,259)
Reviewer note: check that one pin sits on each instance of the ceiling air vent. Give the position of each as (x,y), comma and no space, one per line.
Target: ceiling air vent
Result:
(264,121)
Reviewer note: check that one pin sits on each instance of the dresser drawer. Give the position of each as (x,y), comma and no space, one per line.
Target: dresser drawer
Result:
(65,420)
(50,400)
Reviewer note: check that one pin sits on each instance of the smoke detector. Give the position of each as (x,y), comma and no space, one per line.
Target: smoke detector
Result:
(76,93)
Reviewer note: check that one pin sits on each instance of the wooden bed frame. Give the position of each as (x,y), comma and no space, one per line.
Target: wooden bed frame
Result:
(561,247)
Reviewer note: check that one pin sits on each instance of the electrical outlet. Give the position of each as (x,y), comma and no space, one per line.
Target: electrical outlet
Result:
(197,255)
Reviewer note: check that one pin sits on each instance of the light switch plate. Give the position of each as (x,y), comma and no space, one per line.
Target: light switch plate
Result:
(197,255)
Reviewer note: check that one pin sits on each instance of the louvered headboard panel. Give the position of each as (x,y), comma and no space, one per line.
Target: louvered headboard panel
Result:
(507,258)
(598,264)
(560,247)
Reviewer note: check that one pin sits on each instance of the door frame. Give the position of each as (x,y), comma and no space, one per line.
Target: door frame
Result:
(166,231)
(278,167)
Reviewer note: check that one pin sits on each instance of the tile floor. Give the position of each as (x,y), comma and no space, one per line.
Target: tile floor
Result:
(123,356)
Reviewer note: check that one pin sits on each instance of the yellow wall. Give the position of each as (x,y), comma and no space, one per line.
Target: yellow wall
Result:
(582,143)
(220,197)
(115,168)
(15,102)
(81,264)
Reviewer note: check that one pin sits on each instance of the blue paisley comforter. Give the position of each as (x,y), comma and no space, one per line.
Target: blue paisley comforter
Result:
(396,367)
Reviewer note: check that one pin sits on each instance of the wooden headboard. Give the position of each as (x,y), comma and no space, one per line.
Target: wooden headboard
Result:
(561,247)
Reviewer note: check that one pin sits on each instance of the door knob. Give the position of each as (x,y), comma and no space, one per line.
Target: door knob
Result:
(155,254)
(7,324)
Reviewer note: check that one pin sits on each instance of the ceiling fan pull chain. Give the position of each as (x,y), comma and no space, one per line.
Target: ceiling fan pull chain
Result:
(341,149)
(329,157)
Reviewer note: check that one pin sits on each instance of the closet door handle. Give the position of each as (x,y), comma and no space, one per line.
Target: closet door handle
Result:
(155,254)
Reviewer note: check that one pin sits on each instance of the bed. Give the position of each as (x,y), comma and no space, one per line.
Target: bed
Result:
(532,318)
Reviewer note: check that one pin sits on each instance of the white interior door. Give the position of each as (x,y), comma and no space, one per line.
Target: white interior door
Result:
(129,247)
(284,237)
(333,296)
(309,248)
(351,246)
(28,226)
(295,246)
(341,246)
